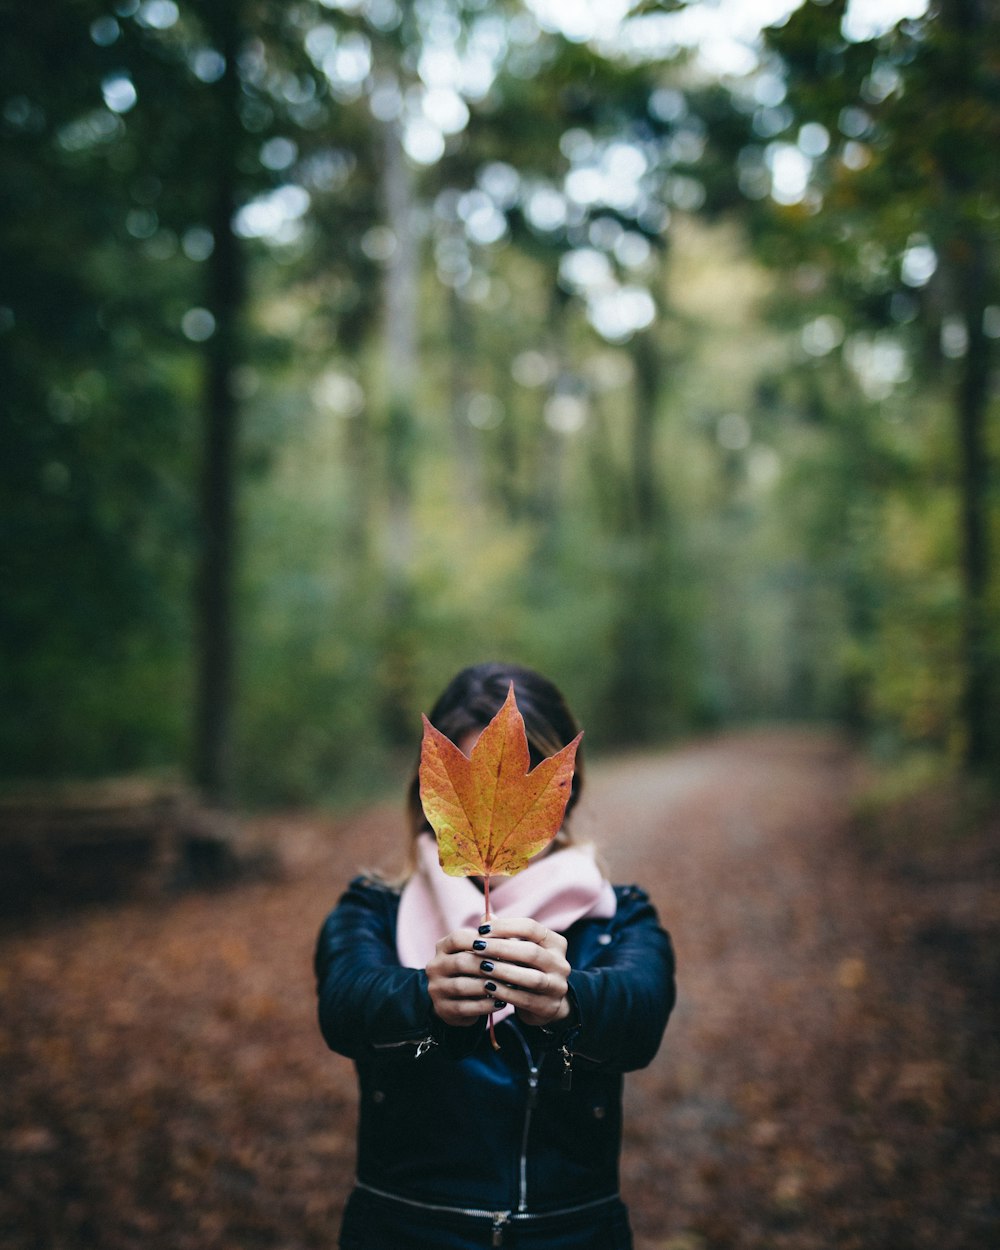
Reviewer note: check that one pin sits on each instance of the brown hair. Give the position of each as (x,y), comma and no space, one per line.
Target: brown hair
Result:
(474,696)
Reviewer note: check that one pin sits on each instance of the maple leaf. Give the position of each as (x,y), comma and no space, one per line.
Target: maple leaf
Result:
(490,815)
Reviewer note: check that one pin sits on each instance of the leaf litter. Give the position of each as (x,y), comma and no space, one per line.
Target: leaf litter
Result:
(828,1079)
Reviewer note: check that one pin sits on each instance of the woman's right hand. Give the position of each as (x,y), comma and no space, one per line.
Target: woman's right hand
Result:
(455,983)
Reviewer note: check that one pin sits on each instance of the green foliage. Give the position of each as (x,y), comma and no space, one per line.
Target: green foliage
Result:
(896,258)
(453,443)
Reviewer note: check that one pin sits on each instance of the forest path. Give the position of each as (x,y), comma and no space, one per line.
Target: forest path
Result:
(826,1080)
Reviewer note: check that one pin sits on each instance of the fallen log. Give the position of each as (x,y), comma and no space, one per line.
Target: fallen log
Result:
(113,838)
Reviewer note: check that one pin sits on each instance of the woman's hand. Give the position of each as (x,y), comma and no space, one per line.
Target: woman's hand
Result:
(518,961)
(530,965)
(454,981)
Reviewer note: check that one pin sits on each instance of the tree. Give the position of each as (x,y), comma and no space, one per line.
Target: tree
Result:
(889,134)
(133,143)
(95,532)
(225,300)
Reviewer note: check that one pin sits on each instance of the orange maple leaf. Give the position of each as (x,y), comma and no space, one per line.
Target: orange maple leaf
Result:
(490,815)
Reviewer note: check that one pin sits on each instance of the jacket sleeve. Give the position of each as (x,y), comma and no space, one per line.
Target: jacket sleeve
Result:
(368,1003)
(623,1000)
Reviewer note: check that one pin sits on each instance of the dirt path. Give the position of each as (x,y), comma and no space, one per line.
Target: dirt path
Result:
(827,1080)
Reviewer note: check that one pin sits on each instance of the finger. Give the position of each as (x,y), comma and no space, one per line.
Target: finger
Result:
(528,980)
(540,1009)
(480,964)
(467,964)
(457,940)
(527,954)
(441,967)
(455,988)
(463,1010)
(528,930)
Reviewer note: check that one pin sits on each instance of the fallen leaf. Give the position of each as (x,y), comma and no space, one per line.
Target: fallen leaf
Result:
(851,973)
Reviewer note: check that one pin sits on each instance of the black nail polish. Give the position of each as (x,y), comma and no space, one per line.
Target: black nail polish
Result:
(498,1004)
(485,928)
(479,945)
(486,966)
(490,987)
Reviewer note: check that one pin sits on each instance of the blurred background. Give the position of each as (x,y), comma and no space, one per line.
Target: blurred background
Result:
(651,344)
(345,342)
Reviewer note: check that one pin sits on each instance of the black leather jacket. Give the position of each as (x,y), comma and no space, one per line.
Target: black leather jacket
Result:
(445,1119)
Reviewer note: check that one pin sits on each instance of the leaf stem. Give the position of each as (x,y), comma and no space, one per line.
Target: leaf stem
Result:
(487,918)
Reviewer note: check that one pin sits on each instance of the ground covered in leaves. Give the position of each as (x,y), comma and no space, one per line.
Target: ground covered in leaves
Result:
(828,1079)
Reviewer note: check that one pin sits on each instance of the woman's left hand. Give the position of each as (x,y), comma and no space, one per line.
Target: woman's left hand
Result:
(529,965)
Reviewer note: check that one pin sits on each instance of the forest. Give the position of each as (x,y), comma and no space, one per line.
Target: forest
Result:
(346,341)
(649,343)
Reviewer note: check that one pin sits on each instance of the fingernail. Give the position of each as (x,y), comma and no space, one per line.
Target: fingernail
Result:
(486,966)
(490,987)
(498,1004)
(479,945)
(485,928)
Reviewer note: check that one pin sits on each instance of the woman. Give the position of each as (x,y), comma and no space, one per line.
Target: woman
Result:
(459,1145)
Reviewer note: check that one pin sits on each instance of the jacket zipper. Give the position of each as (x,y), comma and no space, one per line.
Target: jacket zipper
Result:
(533,1074)
(500,1218)
(422,1044)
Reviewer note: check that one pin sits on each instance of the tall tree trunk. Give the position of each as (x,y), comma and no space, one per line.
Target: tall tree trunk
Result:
(972,402)
(507,461)
(967,32)
(549,450)
(400,362)
(640,690)
(461,327)
(646,360)
(225,296)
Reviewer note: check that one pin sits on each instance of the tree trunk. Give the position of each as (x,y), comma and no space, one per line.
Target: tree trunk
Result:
(400,356)
(972,402)
(646,361)
(507,461)
(225,296)
(640,692)
(549,445)
(461,327)
(967,33)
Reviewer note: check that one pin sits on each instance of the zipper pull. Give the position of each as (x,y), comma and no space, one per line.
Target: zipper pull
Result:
(532,1089)
(424,1046)
(499,1220)
(566,1080)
